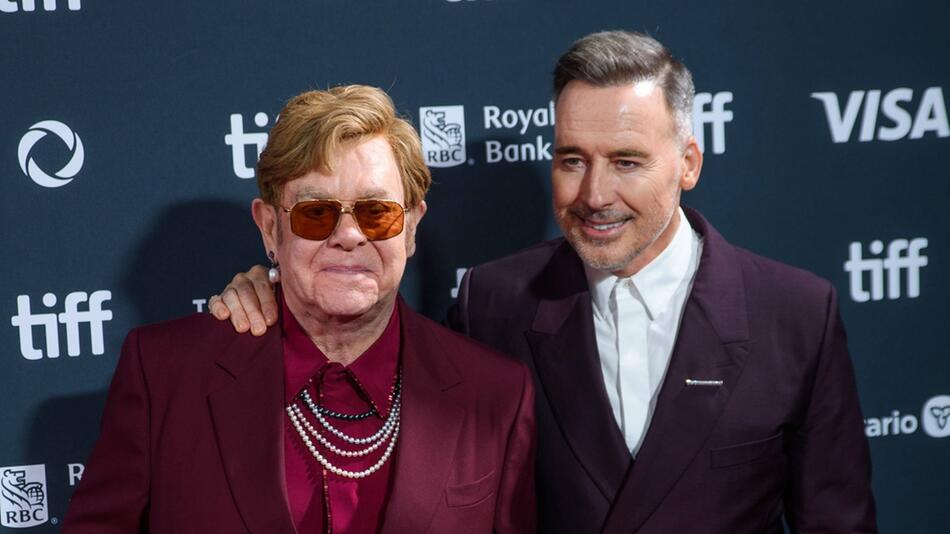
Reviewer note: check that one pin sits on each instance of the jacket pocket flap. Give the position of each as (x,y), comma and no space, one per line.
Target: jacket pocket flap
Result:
(746,452)
(471,492)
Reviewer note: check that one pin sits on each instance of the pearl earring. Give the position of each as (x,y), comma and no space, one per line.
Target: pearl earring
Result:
(273,274)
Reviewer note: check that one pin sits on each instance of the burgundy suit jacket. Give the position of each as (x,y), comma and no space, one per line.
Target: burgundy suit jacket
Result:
(782,436)
(192,436)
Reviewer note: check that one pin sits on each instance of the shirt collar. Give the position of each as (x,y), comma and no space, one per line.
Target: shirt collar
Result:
(373,372)
(657,281)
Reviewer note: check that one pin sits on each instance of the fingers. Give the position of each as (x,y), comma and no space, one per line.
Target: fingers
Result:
(217,308)
(264,303)
(239,319)
(266,298)
(248,301)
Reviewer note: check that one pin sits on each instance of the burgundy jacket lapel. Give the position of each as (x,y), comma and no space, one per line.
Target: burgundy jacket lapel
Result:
(711,345)
(564,348)
(430,421)
(247,414)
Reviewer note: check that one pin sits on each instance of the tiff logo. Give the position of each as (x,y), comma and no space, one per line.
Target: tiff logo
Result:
(239,141)
(10,6)
(717,116)
(902,255)
(897,123)
(94,315)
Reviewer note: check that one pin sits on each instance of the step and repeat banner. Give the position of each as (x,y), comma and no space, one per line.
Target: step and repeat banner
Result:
(129,132)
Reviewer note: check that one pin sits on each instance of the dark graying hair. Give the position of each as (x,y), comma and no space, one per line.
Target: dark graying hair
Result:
(612,58)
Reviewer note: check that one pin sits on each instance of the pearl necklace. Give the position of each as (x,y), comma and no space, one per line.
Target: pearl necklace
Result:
(298,414)
(338,470)
(388,432)
(314,409)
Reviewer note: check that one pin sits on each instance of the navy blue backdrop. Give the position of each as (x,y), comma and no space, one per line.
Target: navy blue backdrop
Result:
(129,132)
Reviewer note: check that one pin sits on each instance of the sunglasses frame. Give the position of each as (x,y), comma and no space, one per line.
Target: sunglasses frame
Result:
(344,209)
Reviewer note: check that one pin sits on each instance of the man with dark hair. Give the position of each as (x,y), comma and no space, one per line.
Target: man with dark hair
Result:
(684,384)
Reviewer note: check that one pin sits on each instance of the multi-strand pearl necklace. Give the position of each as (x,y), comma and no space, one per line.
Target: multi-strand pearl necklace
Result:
(388,432)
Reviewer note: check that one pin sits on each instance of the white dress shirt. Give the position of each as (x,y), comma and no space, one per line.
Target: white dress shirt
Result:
(636,320)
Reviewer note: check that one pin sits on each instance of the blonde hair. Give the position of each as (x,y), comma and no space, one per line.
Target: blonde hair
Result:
(313,127)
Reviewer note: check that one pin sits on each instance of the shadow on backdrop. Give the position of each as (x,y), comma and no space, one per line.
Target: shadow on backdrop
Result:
(52,434)
(476,213)
(191,251)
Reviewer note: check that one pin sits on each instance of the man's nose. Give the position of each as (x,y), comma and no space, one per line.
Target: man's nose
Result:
(598,189)
(347,234)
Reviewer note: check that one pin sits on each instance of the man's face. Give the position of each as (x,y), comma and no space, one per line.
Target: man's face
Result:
(618,172)
(344,275)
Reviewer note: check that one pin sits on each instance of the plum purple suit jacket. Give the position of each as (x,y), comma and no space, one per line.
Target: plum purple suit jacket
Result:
(192,436)
(781,437)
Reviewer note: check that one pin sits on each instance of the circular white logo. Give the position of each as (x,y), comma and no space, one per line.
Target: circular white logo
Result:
(38,175)
(936,416)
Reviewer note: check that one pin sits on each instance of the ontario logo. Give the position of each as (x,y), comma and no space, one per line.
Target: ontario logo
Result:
(443,135)
(936,416)
(934,420)
(23,496)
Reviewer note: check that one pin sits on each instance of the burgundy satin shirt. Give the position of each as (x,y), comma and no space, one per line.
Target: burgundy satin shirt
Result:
(320,501)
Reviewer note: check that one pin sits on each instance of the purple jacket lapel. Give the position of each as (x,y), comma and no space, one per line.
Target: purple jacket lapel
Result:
(712,344)
(250,430)
(248,423)
(564,348)
(429,428)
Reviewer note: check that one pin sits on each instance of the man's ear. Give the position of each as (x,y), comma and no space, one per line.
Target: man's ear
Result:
(265,216)
(692,165)
(413,217)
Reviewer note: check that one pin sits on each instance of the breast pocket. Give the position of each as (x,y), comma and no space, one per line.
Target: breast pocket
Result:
(744,453)
(470,493)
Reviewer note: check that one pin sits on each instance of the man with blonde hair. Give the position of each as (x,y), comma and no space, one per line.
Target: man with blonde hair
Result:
(354,414)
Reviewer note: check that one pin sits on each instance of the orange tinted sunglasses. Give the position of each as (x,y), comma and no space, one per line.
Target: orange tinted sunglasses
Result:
(317,219)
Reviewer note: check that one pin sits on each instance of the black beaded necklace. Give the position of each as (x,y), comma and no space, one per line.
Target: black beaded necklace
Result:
(359,416)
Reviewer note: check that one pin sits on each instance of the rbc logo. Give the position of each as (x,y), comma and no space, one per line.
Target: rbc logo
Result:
(72,317)
(931,115)
(66,135)
(23,496)
(717,116)
(10,6)
(239,141)
(443,135)
(902,255)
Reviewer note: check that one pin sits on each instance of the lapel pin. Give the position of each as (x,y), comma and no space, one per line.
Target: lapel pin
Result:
(707,383)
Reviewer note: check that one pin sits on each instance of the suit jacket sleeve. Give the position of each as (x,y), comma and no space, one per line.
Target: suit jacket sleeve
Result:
(516,509)
(113,495)
(830,489)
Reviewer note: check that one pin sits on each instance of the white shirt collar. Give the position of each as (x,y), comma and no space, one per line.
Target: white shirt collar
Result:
(657,281)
